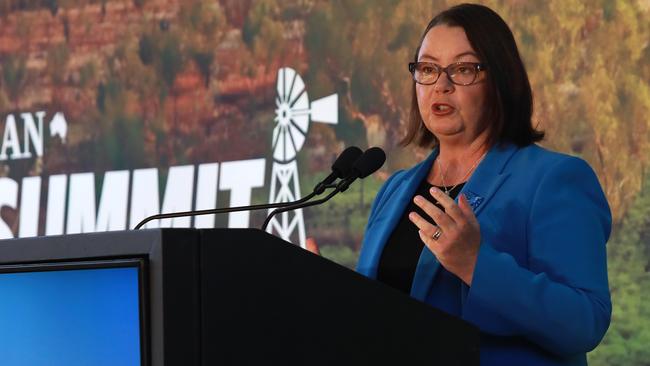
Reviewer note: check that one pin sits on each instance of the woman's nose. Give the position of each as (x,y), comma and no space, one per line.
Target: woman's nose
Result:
(443,85)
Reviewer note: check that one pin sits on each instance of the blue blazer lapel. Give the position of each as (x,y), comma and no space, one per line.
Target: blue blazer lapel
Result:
(488,177)
(428,264)
(425,272)
(485,181)
(392,212)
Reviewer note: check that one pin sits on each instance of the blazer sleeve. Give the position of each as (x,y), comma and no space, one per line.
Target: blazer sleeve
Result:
(561,299)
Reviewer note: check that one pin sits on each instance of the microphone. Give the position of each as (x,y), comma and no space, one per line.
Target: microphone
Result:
(341,168)
(369,162)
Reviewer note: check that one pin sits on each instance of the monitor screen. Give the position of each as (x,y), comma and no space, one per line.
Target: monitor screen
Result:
(73,313)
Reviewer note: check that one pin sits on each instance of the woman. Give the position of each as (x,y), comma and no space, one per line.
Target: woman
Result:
(520,251)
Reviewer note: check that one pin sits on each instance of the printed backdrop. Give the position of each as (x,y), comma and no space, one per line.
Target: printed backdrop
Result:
(113,110)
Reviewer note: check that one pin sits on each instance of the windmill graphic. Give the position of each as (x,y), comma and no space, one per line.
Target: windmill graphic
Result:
(292,117)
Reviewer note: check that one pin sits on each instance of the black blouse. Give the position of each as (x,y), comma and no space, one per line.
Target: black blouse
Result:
(402,251)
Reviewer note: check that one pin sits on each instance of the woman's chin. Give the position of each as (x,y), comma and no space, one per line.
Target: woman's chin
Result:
(448,132)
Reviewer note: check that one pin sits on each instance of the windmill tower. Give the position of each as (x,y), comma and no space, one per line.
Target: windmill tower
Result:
(293,114)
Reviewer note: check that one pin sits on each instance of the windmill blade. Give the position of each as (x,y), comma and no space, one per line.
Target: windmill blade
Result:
(286,78)
(296,96)
(279,149)
(297,136)
(300,121)
(326,110)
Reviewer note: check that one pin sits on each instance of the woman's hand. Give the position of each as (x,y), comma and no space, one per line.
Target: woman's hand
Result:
(310,245)
(457,244)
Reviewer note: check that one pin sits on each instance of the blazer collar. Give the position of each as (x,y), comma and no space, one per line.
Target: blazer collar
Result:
(484,182)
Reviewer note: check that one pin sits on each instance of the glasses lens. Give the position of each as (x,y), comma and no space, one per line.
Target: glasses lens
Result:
(462,73)
(426,73)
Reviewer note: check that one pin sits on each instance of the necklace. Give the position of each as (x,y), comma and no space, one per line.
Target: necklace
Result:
(442,176)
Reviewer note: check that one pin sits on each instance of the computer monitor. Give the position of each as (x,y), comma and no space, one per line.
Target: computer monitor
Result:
(87,312)
(120,297)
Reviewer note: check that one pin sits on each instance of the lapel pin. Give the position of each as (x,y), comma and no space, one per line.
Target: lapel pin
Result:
(473,199)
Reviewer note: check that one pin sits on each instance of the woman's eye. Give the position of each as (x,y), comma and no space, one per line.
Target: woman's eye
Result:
(427,69)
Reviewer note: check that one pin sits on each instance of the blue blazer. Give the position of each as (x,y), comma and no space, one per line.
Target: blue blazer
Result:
(539,294)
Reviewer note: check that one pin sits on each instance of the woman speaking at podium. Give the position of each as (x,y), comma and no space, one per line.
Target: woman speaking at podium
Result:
(491,227)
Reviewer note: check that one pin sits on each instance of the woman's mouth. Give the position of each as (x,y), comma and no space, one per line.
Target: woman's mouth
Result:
(442,109)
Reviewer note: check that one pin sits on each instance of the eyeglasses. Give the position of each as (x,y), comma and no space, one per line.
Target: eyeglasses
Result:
(459,73)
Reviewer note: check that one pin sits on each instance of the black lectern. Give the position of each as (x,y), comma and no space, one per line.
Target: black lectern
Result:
(211,297)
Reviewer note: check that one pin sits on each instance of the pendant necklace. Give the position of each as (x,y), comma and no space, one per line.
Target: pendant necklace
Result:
(442,176)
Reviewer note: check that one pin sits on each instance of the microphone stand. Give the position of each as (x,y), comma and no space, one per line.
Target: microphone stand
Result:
(231,209)
(300,205)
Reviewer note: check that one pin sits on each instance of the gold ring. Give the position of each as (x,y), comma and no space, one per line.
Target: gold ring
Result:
(436,235)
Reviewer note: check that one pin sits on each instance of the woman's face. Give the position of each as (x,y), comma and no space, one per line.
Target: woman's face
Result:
(451,112)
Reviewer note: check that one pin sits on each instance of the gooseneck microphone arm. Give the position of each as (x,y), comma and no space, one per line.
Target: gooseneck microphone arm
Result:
(297,206)
(226,209)
(341,168)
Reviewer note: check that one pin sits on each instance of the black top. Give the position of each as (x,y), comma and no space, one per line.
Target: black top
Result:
(402,251)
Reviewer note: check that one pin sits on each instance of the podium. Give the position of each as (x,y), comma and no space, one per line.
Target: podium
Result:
(209,297)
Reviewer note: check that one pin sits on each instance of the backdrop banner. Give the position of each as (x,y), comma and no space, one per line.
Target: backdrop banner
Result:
(115,110)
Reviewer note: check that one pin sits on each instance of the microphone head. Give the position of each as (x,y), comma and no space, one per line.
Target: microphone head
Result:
(342,167)
(371,160)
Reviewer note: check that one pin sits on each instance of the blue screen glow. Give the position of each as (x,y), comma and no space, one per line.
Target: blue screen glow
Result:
(70,317)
